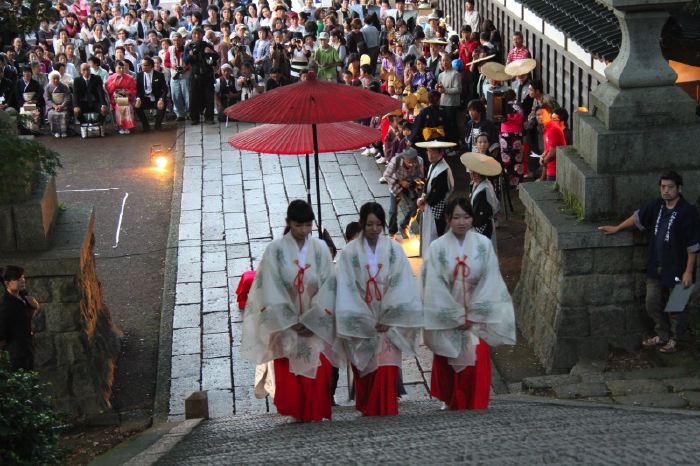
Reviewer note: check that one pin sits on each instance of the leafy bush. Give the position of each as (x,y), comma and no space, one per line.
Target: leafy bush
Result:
(28,423)
(23,162)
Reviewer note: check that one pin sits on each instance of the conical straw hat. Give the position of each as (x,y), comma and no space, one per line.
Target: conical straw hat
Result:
(520,67)
(481,164)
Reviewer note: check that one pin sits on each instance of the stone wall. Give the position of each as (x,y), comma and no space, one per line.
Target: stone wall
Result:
(579,292)
(76,342)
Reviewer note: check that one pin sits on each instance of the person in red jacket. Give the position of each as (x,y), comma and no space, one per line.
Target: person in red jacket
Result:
(553,138)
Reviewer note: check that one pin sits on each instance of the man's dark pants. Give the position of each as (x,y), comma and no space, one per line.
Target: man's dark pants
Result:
(141,113)
(411,205)
(666,324)
(201,98)
(451,123)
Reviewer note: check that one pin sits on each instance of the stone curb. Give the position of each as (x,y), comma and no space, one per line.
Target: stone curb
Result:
(166,443)
(161,403)
(580,403)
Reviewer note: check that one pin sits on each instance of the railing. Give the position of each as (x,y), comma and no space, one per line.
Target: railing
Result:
(568,73)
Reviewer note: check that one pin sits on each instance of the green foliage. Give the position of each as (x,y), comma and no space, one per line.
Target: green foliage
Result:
(572,206)
(33,11)
(28,425)
(22,164)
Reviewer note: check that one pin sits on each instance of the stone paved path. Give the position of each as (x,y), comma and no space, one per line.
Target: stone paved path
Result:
(509,433)
(233,204)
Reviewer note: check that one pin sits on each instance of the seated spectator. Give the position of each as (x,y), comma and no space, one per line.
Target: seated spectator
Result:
(121,88)
(277,79)
(88,95)
(58,104)
(151,93)
(28,90)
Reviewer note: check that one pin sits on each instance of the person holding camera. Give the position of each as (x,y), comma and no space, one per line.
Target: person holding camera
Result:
(299,56)
(17,310)
(405,177)
(248,83)
(179,76)
(201,57)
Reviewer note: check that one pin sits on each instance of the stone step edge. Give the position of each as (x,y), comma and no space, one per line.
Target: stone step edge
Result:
(147,447)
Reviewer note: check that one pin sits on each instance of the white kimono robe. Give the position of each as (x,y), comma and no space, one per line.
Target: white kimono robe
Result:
(376,289)
(462,285)
(291,287)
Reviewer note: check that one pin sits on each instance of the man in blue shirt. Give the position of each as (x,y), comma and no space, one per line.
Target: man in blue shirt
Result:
(673,227)
(371,36)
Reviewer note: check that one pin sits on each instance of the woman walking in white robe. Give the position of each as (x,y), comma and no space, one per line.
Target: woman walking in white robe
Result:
(289,318)
(378,312)
(467,307)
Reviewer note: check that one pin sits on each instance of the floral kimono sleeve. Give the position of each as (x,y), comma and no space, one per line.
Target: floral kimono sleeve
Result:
(320,318)
(441,309)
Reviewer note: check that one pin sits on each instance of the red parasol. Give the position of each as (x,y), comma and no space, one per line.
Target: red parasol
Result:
(298,139)
(312,102)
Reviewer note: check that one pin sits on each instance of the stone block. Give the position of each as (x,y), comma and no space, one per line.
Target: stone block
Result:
(607,321)
(573,321)
(70,348)
(693,399)
(216,373)
(186,341)
(549,381)
(62,317)
(657,373)
(577,262)
(655,400)
(216,345)
(577,177)
(186,366)
(591,347)
(186,316)
(635,387)
(215,300)
(197,406)
(40,287)
(220,403)
(66,289)
(34,219)
(44,351)
(683,384)
(581,390)
(215,322)
(613,260)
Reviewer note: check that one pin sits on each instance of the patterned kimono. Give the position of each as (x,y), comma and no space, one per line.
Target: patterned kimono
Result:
(461,284)
(294,286)
(376,288)
(122,85)
(55,96)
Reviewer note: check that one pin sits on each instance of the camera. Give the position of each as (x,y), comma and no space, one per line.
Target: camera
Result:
(178,72)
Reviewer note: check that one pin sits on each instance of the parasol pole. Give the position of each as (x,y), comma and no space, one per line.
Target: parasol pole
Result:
(318,182)
(308,180)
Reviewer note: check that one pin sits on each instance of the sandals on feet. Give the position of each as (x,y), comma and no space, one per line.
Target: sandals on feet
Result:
(654,341)
(669,347)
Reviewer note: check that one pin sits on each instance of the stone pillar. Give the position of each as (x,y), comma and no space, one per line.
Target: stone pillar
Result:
(581,292)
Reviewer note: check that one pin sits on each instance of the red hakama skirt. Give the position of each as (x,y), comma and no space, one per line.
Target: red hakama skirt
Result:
(375,393)
(303,398)
(468,389)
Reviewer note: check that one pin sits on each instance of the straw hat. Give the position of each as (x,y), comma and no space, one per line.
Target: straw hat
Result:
(433,16)
(434,41)
(481,164)
(365,59)
(480,60)
(435,144)
(519,67)
(410,100)
(496,71)
(424,6)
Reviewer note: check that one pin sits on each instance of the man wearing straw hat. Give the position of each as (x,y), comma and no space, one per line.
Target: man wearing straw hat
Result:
(483,196)
(439,184)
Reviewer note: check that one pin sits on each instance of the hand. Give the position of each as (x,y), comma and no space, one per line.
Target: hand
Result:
(103,109)
(161,104)
(466,326)
(137,104)
(405,184)
(381,328)
(76,110)
(687,279)
(58,108)
(608,229)
(420,202)
(33,302)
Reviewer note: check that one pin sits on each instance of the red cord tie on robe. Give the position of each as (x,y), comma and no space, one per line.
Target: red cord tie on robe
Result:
(372,282)
(299,282)
(462,264)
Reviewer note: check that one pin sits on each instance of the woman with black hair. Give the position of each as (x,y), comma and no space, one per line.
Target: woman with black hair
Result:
(16,312)
(378,312)
(288,320)
(467,307)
